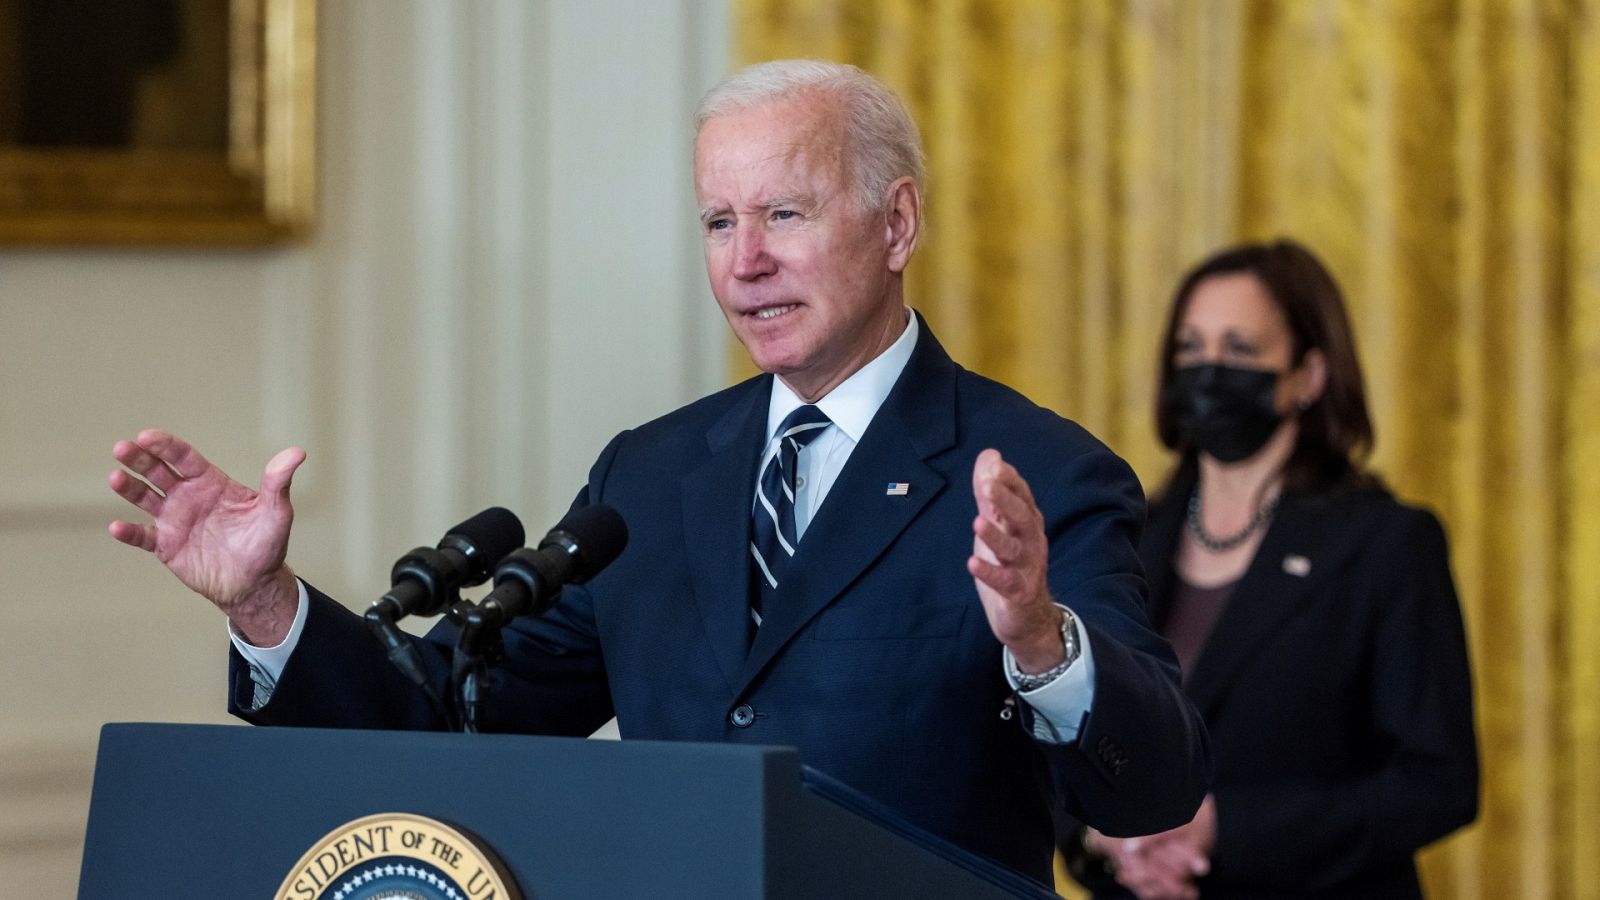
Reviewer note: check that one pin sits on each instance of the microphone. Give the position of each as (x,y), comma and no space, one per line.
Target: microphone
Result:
(426,580)
(527,582)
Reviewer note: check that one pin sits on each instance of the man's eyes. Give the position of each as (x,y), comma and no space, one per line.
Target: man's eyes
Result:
(725,223)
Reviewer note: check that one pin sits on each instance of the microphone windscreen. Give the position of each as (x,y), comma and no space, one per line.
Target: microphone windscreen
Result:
(492,533)
(600,535)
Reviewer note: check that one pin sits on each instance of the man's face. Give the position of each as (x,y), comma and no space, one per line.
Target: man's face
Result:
(804,276)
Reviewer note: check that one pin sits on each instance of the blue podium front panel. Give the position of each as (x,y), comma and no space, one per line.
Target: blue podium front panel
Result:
(228,811)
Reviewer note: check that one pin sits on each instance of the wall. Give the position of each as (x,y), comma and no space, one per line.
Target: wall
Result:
(506,272)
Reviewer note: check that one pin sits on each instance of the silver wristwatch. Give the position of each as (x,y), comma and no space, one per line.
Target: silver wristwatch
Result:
(1069,640)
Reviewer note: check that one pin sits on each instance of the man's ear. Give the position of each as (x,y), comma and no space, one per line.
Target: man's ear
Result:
(902,222)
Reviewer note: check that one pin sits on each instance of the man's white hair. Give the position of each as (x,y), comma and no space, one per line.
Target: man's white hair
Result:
(883,141)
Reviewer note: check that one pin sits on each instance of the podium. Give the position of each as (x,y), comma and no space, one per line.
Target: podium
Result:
(226,811)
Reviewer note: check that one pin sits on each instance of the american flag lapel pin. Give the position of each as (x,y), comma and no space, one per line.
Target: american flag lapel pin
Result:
(898,488)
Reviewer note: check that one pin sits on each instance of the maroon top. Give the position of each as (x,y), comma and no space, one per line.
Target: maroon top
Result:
(1192,617)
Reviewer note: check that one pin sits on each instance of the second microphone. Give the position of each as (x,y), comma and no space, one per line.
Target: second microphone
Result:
(527,581)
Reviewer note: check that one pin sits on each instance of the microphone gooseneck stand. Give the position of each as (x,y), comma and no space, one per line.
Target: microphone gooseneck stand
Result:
(478,646)
(404,656)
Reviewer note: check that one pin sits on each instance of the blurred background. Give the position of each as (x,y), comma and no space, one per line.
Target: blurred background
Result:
(504,270)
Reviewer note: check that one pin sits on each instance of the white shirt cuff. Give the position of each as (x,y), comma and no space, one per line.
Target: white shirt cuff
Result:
(267,663)
(1059,707)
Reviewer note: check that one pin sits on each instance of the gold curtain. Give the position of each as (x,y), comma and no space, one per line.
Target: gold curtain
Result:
(1442,155)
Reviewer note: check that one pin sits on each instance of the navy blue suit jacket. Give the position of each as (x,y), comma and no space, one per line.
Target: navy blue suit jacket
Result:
(875,658)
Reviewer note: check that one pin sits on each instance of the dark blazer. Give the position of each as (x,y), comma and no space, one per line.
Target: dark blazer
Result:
(875,658)
(1337,693)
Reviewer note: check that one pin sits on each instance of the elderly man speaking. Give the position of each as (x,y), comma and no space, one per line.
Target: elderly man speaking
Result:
(919,578)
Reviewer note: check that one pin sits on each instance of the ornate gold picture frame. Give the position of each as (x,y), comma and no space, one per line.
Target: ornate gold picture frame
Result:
(185,159)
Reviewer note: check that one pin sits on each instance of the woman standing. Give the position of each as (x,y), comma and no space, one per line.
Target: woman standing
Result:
(1313,614)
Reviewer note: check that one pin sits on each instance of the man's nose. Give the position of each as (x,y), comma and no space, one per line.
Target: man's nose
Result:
(750,257)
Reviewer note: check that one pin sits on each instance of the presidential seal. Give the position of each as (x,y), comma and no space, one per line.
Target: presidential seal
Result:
(398,856)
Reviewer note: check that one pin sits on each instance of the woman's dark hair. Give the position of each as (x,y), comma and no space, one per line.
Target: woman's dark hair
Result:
(1335,432)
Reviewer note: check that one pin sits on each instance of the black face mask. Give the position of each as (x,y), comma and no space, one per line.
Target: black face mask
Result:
(1224,412)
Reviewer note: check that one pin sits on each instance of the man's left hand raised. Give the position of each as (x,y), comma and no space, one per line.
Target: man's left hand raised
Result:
(1010,564)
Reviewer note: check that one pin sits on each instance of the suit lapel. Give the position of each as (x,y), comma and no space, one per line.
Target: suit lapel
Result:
(1285,567)
(859,521)
(716,520)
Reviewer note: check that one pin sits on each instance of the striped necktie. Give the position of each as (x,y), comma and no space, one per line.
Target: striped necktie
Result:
(773,536)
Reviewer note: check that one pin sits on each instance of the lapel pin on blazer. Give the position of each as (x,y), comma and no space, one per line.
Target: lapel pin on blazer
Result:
(1297,565)
(898,488)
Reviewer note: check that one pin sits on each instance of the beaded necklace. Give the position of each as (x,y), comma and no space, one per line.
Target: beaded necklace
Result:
(1224,544)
